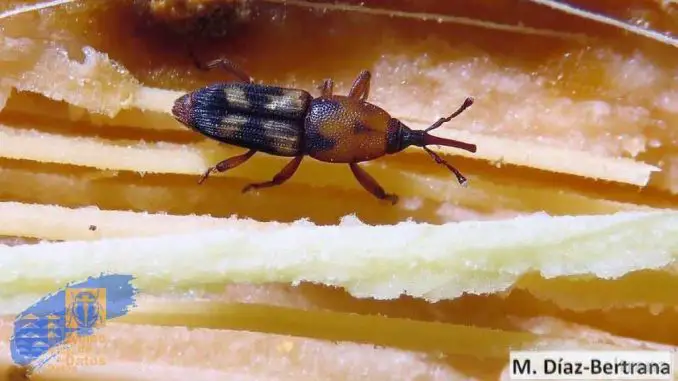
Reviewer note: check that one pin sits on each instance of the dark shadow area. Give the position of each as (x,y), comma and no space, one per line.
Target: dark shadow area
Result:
(273,41)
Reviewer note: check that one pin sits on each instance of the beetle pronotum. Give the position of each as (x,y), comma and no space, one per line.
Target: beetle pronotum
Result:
(292,123)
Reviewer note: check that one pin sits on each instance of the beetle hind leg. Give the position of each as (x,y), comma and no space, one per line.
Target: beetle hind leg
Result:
(370,184)
(225,64)
(282,176)
(227,164)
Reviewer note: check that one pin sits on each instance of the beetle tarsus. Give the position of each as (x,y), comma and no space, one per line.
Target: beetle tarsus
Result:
(370,184)
(227,164)
(393,198)
(285,174)
(205,175)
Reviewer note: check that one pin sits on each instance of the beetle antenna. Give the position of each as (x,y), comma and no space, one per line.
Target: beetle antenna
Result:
(427,139)
(462,180)
(435,140)
(467,103)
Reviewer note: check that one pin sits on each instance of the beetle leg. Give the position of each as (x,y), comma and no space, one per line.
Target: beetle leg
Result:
(326,88)
(462,180)
(227,164)
(227,65)
(370,184)
(278,179)
(361,86)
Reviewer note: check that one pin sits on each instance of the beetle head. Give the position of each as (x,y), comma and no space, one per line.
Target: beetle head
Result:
(400,137)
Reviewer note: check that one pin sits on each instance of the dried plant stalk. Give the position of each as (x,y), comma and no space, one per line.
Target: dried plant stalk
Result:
(484,257)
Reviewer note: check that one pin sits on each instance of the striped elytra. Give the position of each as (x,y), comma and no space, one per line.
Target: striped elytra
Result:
(268,119)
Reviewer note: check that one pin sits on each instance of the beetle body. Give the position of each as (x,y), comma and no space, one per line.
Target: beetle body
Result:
(340,129)
(292,123)
(265,118)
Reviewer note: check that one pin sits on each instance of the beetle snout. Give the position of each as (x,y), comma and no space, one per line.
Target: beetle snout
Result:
(182,109)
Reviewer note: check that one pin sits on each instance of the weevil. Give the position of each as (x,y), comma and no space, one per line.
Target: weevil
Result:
(291,122)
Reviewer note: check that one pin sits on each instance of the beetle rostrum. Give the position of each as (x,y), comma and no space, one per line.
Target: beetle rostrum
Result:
(292,123)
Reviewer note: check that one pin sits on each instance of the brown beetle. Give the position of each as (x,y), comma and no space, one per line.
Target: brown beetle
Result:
(292,123)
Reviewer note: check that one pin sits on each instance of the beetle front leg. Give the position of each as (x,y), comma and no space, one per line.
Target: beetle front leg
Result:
(282,176)
(227,65)
(370,184)
(326,88)
(361,86)
(227,164)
